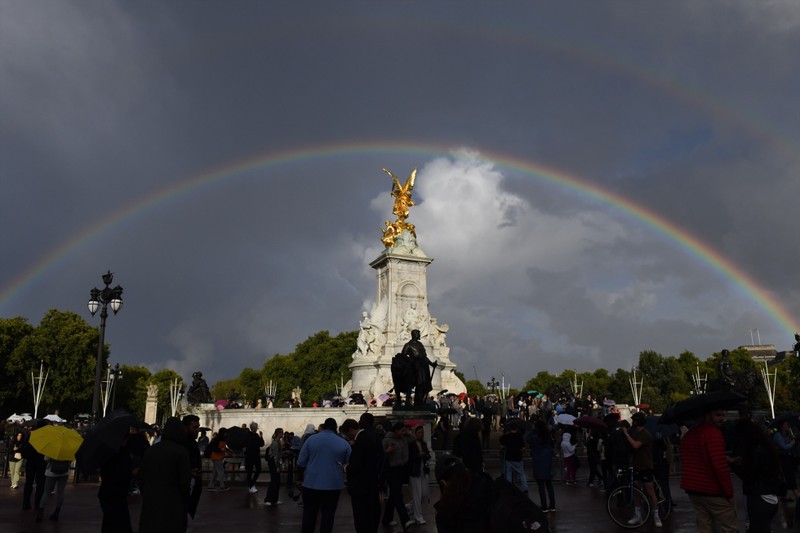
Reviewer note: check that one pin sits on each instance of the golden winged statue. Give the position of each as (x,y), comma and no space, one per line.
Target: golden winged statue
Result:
(402,203)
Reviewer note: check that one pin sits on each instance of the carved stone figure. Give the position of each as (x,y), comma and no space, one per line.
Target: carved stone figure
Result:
(198,391)
(422,376)
(727,375)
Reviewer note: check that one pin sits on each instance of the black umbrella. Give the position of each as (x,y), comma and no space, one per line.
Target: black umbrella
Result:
(792,418)
(698,405)
(104,440)
(591,422)
(236,438)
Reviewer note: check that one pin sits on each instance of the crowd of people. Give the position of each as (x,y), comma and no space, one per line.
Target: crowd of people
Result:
(386,468)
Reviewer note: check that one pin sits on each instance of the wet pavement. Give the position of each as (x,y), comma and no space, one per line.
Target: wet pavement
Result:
(580,508)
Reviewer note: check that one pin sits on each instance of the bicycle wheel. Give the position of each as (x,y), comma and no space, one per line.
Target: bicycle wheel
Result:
(622,503)
(664,505)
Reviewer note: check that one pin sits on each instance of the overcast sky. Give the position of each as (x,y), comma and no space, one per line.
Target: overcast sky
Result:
(224,160)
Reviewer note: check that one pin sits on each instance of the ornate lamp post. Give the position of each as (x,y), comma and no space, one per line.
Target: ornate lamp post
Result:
(99,300)
(492,385)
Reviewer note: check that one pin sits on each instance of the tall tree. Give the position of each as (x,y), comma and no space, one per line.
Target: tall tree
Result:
(12,332)
(131,389)
(68,345)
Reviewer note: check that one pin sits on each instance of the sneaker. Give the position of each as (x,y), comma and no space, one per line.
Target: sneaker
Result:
(552,509)
(268,504)
(223,489)
(252,490)
(421,521)
(278,503)
(392,523)
(635,520)
(546,510)
(590,484)
(410,522)
(657,520)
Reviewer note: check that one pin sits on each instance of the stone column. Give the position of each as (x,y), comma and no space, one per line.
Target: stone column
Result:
(151,405)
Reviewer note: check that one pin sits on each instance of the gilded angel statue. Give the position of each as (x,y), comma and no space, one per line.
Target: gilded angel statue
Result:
(402,194)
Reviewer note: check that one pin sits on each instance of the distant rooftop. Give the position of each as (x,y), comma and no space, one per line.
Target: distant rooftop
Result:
(760,352)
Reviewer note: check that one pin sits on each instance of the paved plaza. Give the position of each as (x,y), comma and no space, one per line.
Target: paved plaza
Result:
(580,508)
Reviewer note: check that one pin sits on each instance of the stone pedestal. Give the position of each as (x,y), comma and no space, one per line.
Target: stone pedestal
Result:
(151,404)
(401,305)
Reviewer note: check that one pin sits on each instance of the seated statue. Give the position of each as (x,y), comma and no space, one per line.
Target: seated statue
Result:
(198,391)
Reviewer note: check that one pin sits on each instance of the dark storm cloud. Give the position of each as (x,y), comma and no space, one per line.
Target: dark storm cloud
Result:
(687,109)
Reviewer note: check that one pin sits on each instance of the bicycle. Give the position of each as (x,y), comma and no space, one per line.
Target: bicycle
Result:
(622,501)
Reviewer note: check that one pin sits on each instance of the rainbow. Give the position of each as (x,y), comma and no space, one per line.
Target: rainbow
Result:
(748,286)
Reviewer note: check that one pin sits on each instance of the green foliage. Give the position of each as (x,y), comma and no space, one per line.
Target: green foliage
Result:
(68,347)
(131,390)
(165,379)
(541,381)
(475,388)
(12,332)
(222,389)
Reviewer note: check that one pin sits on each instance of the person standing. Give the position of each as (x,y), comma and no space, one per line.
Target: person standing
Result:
(541,444)
(34,471)
(252,457)
(191,424)
(642,444)
(513,445)
(15,457)
(705,475)
(219,450)
(364,472)
(785,441)
(760,471)
(115,481)
(395,444)
(55,478)
(418,457)
(568,450)
(164,480)
(322,458)
(273,456)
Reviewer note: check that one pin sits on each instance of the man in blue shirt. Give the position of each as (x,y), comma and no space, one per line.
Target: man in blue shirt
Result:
(322,459)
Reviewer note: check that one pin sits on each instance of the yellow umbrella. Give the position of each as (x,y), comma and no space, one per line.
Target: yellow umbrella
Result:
(57,442)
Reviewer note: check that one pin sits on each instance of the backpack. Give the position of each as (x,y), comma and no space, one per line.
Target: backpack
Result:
(59,467)
(513,512)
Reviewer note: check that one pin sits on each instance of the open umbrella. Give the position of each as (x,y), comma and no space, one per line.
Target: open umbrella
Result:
(533,392)
(104,440)
(698,405)
(18,418)
(383,397)
(57,442)
(236,438)
(608,402)
(590,422)
(792,418)
(54,418)
(565,419)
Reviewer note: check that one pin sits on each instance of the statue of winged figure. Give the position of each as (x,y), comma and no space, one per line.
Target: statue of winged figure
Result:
(402,194)
(402,203)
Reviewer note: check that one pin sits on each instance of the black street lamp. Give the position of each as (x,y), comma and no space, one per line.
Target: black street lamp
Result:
(493,385)
(100,299)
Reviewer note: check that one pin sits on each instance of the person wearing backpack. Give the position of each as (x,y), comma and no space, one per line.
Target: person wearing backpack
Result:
(55,477)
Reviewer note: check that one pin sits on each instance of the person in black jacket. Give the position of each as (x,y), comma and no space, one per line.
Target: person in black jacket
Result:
(467,445)
(192,425)
(34,471)
(364,472)
(252,456)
